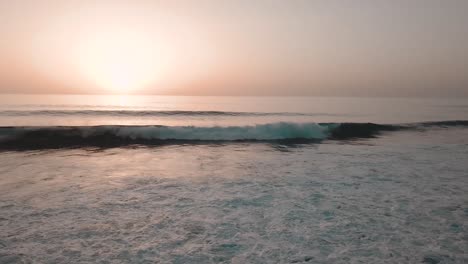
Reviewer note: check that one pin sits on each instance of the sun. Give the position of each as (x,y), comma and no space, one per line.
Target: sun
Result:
(122,61)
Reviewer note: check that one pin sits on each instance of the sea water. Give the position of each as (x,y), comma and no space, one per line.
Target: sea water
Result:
(160,179)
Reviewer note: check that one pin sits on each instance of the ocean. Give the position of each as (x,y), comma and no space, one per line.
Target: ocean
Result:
(172,179)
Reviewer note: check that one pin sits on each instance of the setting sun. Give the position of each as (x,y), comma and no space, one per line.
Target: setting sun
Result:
(123,61)
(122,51)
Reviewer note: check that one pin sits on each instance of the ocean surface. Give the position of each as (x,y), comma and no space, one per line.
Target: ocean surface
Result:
(161,179)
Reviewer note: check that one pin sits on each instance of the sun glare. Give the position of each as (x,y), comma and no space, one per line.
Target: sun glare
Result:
(123,61)
(125,54)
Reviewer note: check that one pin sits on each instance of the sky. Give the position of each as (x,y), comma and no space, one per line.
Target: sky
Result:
(224,47)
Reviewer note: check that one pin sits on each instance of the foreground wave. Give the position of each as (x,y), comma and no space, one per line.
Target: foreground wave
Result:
(110,136)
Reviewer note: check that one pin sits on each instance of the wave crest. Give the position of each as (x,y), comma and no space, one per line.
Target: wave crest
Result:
(108,136)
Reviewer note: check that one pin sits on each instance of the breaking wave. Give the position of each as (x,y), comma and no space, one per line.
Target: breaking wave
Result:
(108,136)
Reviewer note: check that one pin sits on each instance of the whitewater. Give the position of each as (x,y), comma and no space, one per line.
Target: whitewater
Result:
(161,179)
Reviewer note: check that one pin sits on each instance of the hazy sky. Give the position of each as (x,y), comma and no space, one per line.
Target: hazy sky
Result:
(236,47)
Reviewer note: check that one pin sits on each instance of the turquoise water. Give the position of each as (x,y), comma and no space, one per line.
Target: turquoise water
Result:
(393,196)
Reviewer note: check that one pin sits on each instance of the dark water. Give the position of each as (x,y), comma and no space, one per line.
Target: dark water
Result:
(233,180)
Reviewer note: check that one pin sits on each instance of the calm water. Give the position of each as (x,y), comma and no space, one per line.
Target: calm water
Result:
(81,110)
(153,179)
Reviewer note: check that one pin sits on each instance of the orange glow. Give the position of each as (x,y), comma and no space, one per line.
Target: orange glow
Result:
(123,61)
(122,52)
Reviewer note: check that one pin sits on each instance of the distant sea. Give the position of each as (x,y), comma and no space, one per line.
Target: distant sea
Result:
(172,179)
